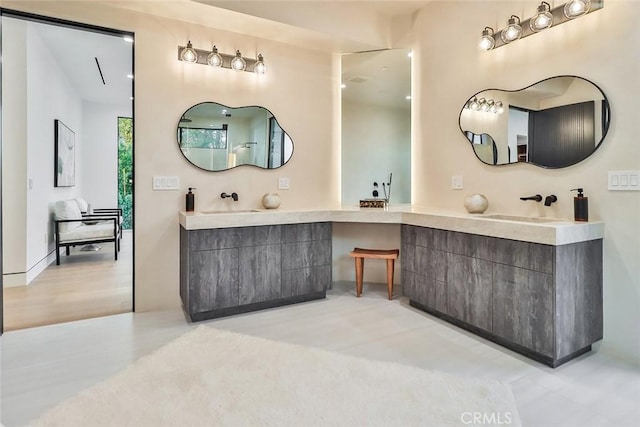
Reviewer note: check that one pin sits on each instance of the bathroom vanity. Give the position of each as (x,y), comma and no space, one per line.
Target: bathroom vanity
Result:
(531,285)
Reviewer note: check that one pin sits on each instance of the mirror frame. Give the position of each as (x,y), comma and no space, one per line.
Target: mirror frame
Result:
(607,113)
(237,166)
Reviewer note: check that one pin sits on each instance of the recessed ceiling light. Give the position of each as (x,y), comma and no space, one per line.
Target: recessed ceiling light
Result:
(410,54)
(129,76)
(343,86)
(407,97)
(128,39)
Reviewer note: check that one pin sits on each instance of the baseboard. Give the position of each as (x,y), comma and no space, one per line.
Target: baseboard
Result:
(14,280)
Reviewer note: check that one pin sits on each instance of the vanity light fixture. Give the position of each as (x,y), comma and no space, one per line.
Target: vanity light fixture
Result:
(473,104)
(513,30)
(488,41)
(260,67)
(216,59)
(238,63)
(544,18)
(485,105)
(576,8)
(189,54)
(482,104)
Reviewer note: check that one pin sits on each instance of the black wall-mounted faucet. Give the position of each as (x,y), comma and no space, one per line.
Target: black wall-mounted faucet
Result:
(234,196)
(550,199)
(537,198)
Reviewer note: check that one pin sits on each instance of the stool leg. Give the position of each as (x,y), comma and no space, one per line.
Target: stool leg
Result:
(390,267)
(359,270)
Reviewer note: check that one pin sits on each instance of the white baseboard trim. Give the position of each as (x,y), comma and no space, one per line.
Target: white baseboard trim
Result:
(23,279)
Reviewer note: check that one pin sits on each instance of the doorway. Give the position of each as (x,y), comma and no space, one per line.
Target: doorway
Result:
(56,71)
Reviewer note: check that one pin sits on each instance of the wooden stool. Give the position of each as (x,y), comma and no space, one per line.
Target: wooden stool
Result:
(360,254)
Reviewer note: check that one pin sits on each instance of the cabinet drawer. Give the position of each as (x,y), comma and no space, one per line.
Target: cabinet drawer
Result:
(306,280)
(306,232)
(306,254)
(259,273)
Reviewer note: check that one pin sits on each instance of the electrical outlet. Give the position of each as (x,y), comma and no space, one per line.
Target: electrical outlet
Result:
(456,182)
(283,183)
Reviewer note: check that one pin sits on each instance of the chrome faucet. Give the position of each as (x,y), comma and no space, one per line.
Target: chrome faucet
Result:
(550,199)
(537,198)
(234,196)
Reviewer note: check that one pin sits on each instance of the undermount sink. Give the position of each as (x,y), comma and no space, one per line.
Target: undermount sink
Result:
(521,218)
(231,212)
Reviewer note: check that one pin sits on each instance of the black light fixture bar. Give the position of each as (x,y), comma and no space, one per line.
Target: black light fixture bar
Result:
(226,59)
(558,18)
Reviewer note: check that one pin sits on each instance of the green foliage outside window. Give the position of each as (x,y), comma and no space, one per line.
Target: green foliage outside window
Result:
(125,170)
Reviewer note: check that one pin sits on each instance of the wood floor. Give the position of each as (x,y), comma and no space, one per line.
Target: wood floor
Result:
(85,285)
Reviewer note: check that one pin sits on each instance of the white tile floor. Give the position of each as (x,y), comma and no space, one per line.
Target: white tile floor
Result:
(43,366)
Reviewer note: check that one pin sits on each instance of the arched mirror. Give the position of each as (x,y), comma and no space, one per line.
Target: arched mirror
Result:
(216,137)
(554,123)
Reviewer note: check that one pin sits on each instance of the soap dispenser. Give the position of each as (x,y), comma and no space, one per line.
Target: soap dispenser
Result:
(191,200)
(580,206)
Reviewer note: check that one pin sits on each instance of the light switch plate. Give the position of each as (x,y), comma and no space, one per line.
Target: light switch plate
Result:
(283,183)
(624,180)
(456,182)
(166,183)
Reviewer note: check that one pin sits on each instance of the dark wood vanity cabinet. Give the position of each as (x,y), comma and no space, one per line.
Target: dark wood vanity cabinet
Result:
(540,300)
(225,271)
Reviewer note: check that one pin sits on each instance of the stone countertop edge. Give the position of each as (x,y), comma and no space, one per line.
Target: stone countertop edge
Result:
(555,233)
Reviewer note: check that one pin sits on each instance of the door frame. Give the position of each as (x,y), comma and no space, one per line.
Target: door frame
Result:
(10,13)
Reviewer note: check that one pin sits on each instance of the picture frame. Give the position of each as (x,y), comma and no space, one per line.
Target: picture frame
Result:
(65,153)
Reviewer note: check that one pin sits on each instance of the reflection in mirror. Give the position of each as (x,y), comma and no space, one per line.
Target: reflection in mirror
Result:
(215,137)
(376,124)
(554,123)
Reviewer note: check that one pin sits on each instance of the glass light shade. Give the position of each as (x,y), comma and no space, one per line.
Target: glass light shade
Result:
(513,31)
(482,105)
(473,104)
(214,59)
(499,107)
(542,19)
(238,63)
(491,106)
(576,8)
(487,42)
(189,54)
(260,67)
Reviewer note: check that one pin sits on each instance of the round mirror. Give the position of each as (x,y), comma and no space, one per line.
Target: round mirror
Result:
(216,137)
(554,123)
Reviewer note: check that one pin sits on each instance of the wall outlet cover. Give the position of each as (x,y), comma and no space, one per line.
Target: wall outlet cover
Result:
(456,182)
(283,183)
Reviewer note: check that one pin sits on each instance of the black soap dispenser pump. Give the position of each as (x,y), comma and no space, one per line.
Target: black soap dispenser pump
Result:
(191,200)
(580,206)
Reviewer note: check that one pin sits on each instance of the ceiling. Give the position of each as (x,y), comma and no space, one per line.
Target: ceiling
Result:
(380,78)
(76,51)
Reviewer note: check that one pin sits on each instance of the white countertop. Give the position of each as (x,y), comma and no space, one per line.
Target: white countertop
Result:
(555,232)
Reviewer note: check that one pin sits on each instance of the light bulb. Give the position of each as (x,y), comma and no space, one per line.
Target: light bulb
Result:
(189,54)
(260,67)
(214,59)
(487,42)
(499,107)
(576,8)
(513,31)
(543,18)
(484,106)
(238,63)
(491,106)
(474,105)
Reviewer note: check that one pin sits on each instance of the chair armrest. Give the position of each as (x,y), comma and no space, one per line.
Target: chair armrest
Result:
(109,210)
(84,219)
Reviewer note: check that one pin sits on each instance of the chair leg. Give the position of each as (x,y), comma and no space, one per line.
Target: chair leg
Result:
(57,253)
(390,267)
(359,272)
(115,248)
(67,250)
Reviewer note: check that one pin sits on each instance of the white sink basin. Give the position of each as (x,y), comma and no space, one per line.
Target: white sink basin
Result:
(521,218)
(231,212)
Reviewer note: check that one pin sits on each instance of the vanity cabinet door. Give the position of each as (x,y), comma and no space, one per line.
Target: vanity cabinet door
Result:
(260,273)
(304,281)
(469,290)
(523,307)
(213,280)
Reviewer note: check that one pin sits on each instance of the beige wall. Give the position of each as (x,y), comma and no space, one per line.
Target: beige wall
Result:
(602,47)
